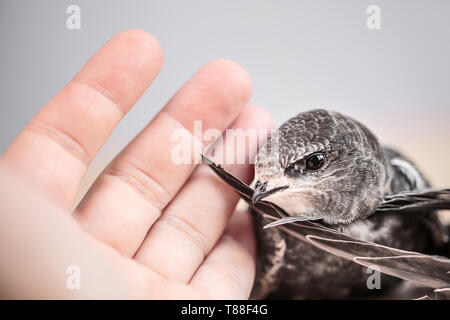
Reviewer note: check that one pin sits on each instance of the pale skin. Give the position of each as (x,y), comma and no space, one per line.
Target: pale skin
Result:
(147,228)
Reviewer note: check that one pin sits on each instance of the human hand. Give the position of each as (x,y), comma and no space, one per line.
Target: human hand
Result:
(147,228)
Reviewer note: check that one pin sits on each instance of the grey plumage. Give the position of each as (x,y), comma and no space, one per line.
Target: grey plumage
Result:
(349,192)
(359,173)
(355,178)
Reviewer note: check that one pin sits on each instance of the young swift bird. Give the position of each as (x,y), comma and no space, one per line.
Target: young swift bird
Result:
(325,167)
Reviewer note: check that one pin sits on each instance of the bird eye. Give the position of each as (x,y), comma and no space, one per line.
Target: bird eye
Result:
(315,161)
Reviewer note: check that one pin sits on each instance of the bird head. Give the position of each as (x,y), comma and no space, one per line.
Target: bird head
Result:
(322,165)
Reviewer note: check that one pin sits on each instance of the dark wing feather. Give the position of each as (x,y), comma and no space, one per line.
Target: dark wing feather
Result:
(438,294)
(423,269)
(414,201)
(418,201)
(244,191)
(429,271)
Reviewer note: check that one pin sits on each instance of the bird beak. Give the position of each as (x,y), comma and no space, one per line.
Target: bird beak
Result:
(262,192)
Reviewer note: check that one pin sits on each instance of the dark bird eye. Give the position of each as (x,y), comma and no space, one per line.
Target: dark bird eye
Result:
(315,161)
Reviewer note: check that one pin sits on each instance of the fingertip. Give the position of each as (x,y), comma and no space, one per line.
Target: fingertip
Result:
(254,125)
(124,67)
(142,42)
(233,80)
(257,117)
(216,95)
(236,75)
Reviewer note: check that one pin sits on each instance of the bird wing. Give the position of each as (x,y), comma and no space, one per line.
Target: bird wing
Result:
(438,294)
(426,270)
(415,201)
(411,202)
(245,191)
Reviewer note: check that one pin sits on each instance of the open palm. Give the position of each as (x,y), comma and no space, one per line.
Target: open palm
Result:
(147,228)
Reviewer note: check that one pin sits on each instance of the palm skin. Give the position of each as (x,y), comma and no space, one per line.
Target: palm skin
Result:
(147,228)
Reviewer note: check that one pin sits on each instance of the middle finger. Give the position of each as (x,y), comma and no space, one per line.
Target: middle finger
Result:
(193,222)
(129,195)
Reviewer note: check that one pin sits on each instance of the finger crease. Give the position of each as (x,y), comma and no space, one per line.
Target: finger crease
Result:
(158,273)
(189,231)
(63,139)
(100,89)
(142,182)
(233,272)
(172,117)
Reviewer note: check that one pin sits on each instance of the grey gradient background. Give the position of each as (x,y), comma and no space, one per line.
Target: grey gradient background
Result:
(300,55)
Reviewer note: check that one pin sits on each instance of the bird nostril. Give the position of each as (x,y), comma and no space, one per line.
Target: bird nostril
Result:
(261,187)
(261,191)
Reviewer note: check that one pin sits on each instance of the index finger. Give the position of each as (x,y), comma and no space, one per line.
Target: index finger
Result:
(54,149)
